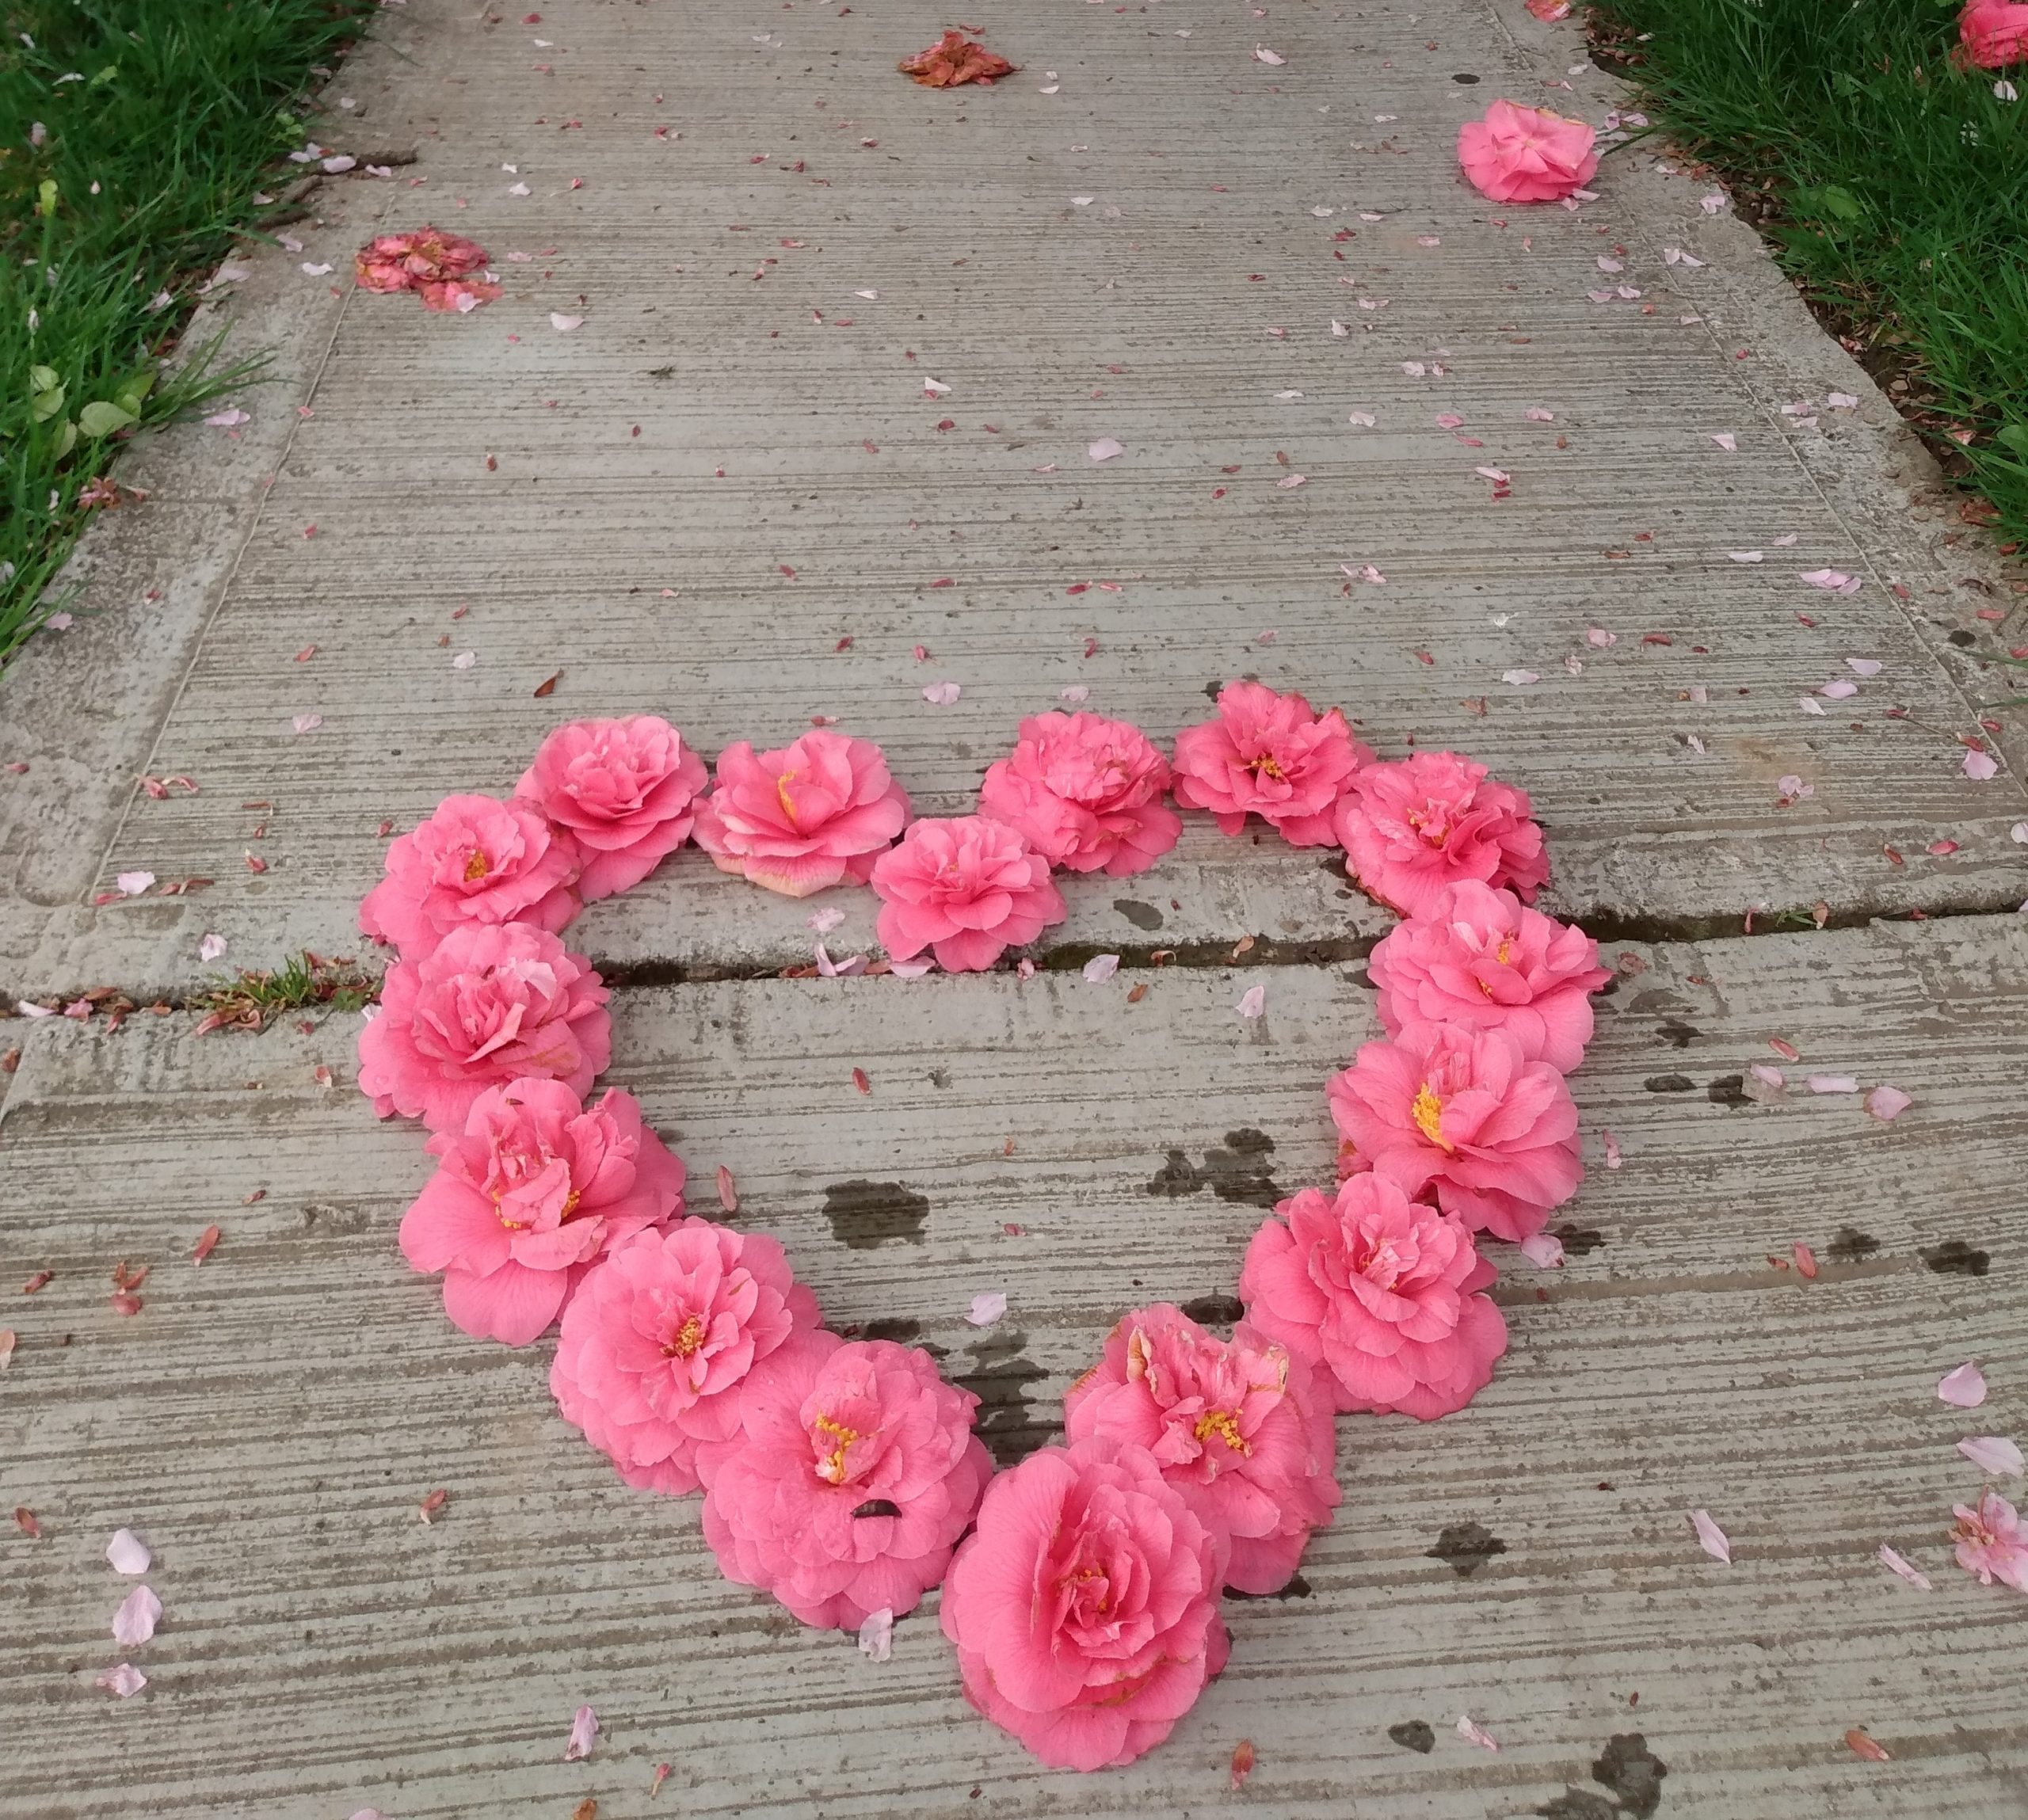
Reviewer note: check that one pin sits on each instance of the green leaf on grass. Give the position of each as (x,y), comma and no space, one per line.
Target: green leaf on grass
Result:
(1832,199)
(100,418)
(67,439)
(45,194)
(133,390)
(2015,437)
(44,405)
(43,379)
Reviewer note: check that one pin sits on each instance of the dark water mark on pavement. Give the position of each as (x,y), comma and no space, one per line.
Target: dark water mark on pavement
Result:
(864,1214)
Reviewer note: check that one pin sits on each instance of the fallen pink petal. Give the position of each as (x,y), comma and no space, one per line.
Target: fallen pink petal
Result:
(1887,1103)
(134,1622)
(128,1554)
(1963,1388)
(1895,1564)
(1993,1454)
(584,1728)
(876,1635)
(1711,1539)
(987,1307)
(1475,1733)
(124,1682)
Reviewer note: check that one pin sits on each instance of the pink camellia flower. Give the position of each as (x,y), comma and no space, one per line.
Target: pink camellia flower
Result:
(1085,793)
(1991,1542)
(1380,1294)
(1085,1606)
(801,820)
(1479,958)
(1271,754)
(528,1196)
(1993,33)
(854,1474)
(1412,828)
(967,887)
(658,1340)
(492,1003)
(1237,1427)
(1463,1109)
(409,261)
(1526,154)
(476,860)
(625,791)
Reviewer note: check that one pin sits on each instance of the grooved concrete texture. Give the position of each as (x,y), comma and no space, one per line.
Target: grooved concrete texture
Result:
(686,503)
(271,1421)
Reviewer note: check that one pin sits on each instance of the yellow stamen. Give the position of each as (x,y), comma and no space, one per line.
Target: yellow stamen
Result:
(1265,765)
(1506,948)
(782,793)
(687,1340)
(1426,1111)
(571,1202)
(477,867)
(1225,1424)
(832,1467)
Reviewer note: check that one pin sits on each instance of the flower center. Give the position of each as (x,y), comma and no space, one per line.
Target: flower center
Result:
(1506,948)
(1265,765)
(477,867)
(1225,1424)
(782,794)
(689,1336)
(1431,826)
(1428,1111)
(831,1468)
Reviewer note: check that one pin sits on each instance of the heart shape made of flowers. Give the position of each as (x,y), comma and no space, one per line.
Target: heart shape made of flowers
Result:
(1081,1586)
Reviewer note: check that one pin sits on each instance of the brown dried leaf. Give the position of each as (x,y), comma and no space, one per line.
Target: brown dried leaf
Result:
(954,60)
(549,687)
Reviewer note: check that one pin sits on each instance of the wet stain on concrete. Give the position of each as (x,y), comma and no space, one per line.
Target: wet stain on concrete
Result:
(1728,1089)
(865,1214)
(1215,1311)
(1580,1241)
(1580,1804)
(900,1328)
(1851,1246)
(1413,1734)
(1467,1547)
(1629,1769)
(1675,1031)
(1141,916)
(1954,1258)
(1239,1172)
(1177,1177)
(1669,1083)
(1633,1772)
(1006,1420)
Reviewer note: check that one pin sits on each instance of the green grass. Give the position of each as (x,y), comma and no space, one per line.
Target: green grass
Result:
(250,1000)
(148,164)
(1893,185)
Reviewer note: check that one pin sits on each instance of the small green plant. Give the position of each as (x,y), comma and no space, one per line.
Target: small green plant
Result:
(250,1000)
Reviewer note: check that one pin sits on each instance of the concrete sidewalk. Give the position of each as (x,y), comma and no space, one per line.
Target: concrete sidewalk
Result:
(687,504)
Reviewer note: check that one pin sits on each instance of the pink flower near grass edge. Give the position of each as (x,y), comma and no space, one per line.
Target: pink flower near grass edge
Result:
(1526,154)
(490,1004)
(1993,33)
(853,1474)
(658,1339)
(1381,1295)
(966,888)
(1237,1426)
(1085,793)
(1085,1604)
(1272,756)
(528,1196)
(624,790)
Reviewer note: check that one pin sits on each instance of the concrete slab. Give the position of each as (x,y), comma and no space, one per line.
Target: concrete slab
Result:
(270,1421)
(624,503)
